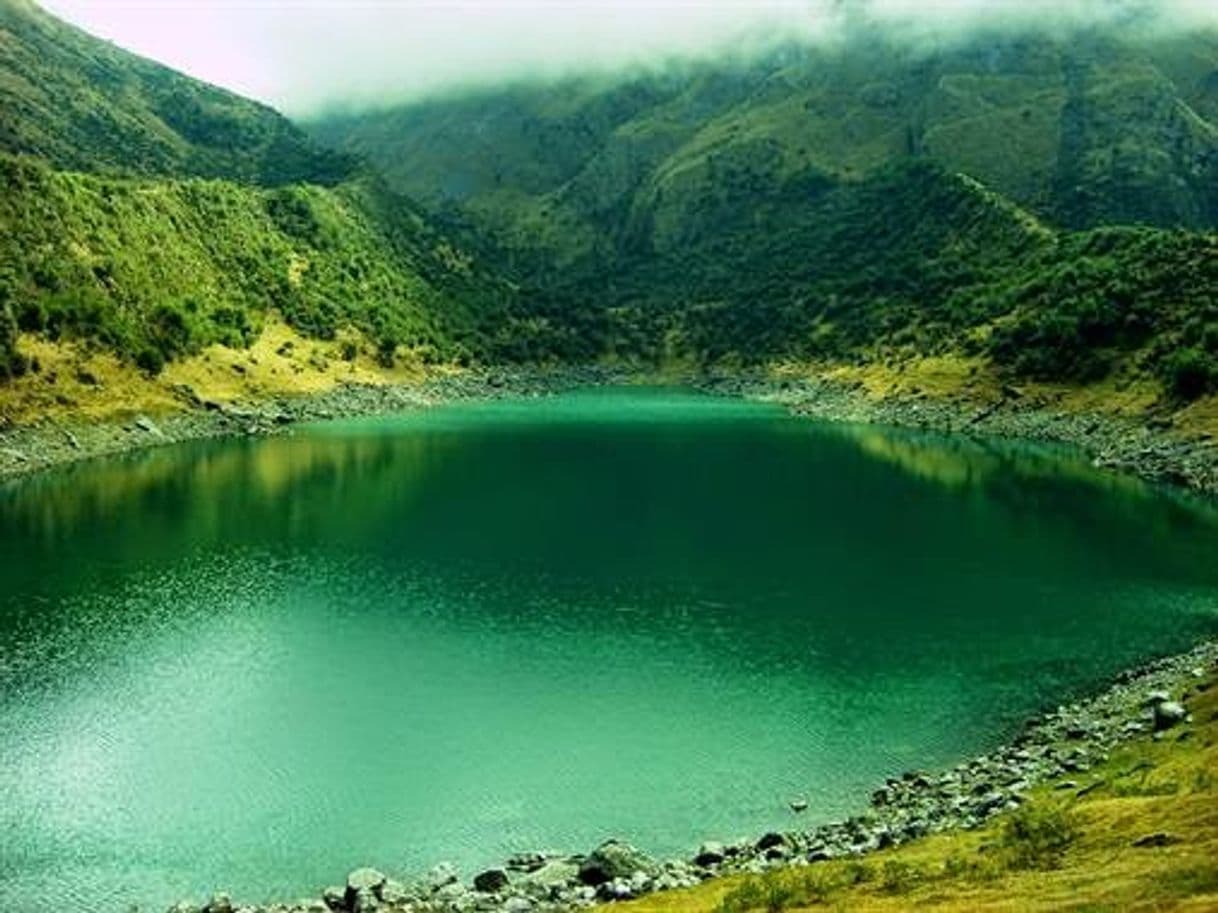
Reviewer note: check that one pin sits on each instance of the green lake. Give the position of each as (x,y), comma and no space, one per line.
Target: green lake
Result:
(253,665)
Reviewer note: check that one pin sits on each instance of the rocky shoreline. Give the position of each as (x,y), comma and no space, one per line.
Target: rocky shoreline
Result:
(1150,449)
(1068,740)
(31,448)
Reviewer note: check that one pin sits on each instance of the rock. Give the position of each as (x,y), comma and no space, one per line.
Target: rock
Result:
(517,905)
(613,860)
(220,903)
(394,892)
(365,879)
(525,862)
(145,424)
(184,906)
(556,873)
(1168,714)
(799,805)
(1159,839)
(770,840)
(335,898)
(710,853)
(453,891)
(441,876)
(492,881)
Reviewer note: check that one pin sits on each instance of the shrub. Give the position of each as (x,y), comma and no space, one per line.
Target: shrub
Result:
(150,360)
(1037,835)
(1189,374)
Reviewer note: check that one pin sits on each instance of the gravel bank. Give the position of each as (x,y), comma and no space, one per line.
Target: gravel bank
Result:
(1152,450)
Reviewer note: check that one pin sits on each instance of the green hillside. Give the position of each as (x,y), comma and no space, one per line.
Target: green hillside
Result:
(83,104)
(1084,130)
(1043,203)
(847,203)
(156,269)
(152,215)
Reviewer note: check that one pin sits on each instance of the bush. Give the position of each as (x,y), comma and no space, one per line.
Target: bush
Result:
(1038,835)
(1189,374)
(150,360)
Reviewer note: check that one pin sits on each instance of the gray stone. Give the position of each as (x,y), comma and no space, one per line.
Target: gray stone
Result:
(613,860)
(394,892)
(517,905)
(771,840)
(365,879)
(220,903)
(554,874)
(1168,714)
(525,862)
(492,881)
(335,897)
(145,424)
(442,875)
(710,853)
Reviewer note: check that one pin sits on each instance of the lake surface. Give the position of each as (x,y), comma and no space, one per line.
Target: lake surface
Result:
(456,634)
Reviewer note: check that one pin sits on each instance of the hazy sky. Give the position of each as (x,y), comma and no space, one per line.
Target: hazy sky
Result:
(301,54)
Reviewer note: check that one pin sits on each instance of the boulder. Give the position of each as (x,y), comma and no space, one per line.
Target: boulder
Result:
(442,875)
(1168,714)
(710,853)
(770,841)
(148,426)
(492,881)
(613,860)
(394,892)
(365,879)
(335,897)
(525,862)
(220,903)
(556,873)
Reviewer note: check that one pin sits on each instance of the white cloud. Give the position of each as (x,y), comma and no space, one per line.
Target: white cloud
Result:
(300,54)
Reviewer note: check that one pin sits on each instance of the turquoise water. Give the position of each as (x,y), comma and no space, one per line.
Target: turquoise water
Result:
(256,664)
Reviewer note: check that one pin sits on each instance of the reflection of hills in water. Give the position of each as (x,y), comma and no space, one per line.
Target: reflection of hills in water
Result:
(1024,473)
(208,478)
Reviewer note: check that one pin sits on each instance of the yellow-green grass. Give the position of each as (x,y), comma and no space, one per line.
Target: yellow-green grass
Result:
(79,383)
(1068,849)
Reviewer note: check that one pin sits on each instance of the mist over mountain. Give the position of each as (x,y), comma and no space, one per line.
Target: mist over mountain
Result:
(309,57)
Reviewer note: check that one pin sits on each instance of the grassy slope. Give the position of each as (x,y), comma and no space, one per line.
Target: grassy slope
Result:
(85,105)
(151,216)
(155,269)
(1149,787)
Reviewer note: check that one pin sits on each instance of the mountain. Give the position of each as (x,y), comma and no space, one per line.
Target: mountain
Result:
(840,202)
(152,215)
(1042,205)
(1083,129)
(82,104)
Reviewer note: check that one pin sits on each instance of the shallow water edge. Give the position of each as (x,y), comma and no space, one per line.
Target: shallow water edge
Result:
(1069,739)
(1149,450)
